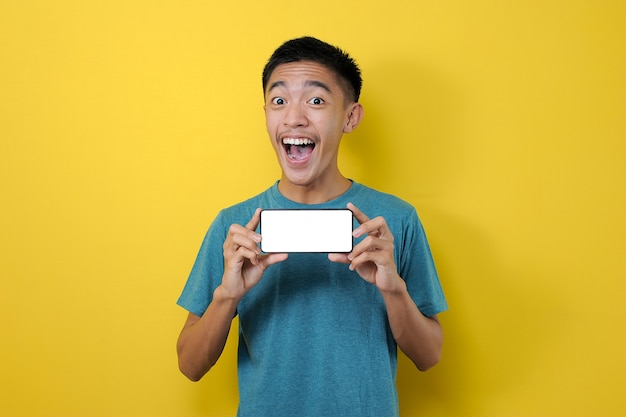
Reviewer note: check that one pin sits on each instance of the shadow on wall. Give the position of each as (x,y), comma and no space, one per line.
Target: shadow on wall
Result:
(411,144)
(407,143)
(493,314)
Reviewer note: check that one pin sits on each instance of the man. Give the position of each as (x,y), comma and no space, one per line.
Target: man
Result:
(318,333)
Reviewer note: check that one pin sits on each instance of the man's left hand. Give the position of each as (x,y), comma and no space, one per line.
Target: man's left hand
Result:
(373,257)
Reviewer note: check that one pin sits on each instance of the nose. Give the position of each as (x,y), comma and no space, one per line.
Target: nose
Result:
(295,116)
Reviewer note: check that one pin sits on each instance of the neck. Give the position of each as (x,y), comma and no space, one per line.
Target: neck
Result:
(313,194)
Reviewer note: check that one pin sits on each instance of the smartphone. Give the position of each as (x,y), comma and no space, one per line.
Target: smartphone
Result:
(311,231)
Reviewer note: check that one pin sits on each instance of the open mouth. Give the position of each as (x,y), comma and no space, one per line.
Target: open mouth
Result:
(298,149)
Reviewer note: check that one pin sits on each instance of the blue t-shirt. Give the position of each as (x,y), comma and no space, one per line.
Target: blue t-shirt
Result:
(314,339)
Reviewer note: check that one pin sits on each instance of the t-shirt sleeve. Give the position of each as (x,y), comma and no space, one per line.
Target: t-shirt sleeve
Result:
(206,273)
(417,268)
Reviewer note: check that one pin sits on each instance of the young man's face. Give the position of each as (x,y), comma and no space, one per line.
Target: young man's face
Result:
(306,113)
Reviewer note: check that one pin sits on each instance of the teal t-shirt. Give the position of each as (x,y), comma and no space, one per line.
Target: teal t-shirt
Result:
(314,339)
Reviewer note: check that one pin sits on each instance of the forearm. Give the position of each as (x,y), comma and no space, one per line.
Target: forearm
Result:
(419,337)
(202,340)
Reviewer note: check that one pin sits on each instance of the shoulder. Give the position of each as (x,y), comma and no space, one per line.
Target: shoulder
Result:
(381,203)
(400,215)
(243,211)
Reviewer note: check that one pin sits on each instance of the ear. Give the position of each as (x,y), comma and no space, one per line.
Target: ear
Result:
(355,114)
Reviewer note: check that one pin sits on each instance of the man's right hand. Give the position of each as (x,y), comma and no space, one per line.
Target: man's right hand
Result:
(202,339)
(244,264)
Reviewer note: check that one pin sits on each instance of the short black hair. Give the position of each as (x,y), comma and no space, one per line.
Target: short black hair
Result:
(311,49)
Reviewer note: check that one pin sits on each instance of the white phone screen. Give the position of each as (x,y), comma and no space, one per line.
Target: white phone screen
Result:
(323,230)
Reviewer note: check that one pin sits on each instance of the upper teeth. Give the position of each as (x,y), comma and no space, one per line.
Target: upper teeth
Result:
(297,141)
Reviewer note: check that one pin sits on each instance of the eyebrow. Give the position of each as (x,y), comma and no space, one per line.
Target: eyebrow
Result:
(308,83)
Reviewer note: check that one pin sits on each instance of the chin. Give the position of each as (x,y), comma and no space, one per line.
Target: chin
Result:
(297,180)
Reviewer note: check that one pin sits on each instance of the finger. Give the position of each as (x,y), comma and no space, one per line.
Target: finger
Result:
(251,254)
(362,219)
(248,241)
(377,226)
(361,259)
(371,244)
(377,259)
(240,236)
(341,258)
(254,221)
(358,214)
(274,258)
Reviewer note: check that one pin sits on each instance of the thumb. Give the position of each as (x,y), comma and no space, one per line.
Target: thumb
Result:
(339,257)
(272,259)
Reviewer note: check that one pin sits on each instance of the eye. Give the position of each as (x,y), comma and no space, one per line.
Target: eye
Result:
(316,100)
(279,101)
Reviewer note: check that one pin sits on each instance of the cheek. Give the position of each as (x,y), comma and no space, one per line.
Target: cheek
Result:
(270,123)
(332,126)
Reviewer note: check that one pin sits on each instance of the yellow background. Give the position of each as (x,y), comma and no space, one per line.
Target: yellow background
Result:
(126,125)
